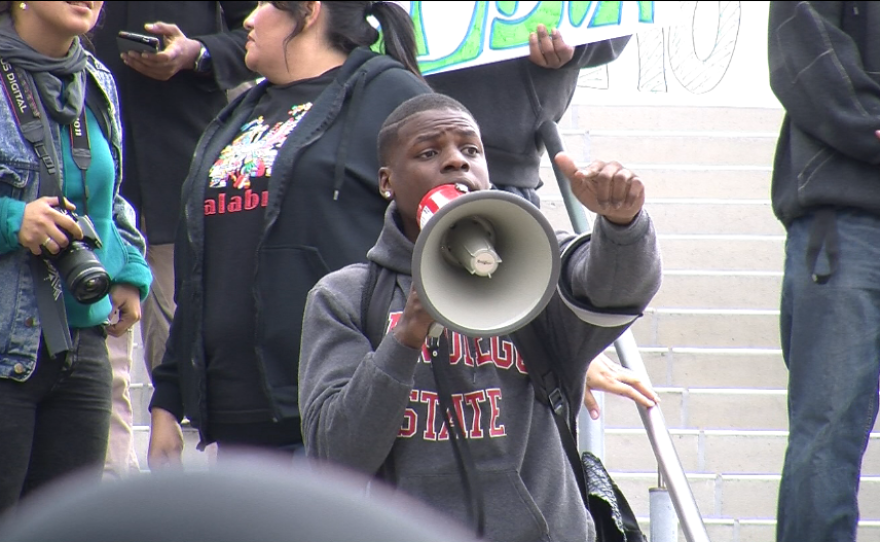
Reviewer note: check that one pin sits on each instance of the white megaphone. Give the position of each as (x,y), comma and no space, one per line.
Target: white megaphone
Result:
(486,262)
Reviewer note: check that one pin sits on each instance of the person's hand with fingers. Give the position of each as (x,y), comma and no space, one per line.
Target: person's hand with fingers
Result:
(126,301)
(606,188)
(166,440)
(415,322)
(547,48)
(180,53)
(43,226)
(603,374)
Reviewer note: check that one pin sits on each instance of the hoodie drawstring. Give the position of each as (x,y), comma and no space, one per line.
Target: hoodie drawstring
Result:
(357,95)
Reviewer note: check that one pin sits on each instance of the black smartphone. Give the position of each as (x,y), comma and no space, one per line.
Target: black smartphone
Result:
(129,41)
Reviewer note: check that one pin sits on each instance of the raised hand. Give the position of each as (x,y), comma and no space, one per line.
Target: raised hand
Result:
(606,188)
(548,49)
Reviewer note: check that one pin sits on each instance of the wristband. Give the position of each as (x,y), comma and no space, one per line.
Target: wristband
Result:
(203,61)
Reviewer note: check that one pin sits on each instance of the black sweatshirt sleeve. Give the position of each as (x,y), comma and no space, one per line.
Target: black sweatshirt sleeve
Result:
(595,54)
(227,48)
(816,72)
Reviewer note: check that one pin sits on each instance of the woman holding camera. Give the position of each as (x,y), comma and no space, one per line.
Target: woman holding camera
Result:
(283,188)
(70,259)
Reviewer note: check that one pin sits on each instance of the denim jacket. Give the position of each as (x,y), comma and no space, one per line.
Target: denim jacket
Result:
(19,179)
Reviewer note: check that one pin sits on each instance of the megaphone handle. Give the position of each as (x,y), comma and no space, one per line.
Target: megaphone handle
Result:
(435,330)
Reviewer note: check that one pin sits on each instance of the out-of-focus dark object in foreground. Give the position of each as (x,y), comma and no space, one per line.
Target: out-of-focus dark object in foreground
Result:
(250,500)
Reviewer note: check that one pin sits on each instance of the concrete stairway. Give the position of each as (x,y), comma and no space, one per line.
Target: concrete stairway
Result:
(710,338)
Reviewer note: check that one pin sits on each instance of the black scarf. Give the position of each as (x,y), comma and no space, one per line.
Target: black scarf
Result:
(60,82)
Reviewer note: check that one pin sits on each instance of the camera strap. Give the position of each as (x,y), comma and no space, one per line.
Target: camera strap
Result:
(81,151)
(33,125)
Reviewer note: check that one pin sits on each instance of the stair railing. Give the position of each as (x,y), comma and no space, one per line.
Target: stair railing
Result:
(670,469)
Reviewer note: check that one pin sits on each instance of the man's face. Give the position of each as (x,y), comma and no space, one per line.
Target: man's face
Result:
(434,148)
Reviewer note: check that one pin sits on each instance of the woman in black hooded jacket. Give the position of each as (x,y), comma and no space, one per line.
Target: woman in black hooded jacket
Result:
(282,189)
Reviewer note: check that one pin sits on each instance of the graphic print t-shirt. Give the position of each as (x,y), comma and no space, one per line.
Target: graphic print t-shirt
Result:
(235,201)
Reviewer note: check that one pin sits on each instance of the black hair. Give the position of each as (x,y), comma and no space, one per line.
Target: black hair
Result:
(417,104)
(348,28)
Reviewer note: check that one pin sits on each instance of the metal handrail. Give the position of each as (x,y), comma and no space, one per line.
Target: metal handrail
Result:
(627,350)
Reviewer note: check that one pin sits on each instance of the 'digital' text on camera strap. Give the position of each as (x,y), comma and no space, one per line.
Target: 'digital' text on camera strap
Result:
(33,125)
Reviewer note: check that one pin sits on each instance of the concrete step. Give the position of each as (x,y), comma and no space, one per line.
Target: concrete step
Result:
(716,328)
(694,148)
(141,392)
(745,368)
(730,119)
(736,496)
(702,217)
(706,408)
(719,289)
(764,530)
(715,451)
(722,252)
(720,217)
(685,181)
(754,530)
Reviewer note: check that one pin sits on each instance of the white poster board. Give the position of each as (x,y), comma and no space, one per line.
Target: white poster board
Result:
(455,35)
(717,57)
(683,53)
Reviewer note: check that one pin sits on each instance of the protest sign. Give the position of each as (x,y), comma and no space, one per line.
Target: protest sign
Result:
(455,35)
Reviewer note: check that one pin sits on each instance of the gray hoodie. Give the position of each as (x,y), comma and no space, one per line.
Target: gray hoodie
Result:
(378,410)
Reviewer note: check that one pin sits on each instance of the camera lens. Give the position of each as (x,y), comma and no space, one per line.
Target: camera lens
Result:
(91,286)
(85,277)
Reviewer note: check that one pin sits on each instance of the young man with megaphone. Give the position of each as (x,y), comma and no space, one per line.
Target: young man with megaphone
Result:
(438,373)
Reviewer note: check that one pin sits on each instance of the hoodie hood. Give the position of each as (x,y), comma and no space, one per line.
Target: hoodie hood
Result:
(393,249)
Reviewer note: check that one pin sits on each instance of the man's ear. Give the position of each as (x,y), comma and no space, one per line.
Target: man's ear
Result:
(385,187)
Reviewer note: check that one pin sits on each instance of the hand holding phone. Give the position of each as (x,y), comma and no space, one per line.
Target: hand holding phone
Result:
(139,43)
(178,52)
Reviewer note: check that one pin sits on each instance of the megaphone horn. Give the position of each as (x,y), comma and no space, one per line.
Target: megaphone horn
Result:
(485,263)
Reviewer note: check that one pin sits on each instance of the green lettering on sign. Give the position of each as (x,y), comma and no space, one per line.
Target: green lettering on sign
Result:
(577,12)
(515,32)
(610,13)
(506,8)
(607,13)
(468,49)
(421,41)
(646,12)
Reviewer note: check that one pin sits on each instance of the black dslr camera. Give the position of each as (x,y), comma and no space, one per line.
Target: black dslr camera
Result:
(79,268)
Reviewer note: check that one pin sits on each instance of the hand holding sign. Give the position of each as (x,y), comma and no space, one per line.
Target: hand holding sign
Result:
(548,49)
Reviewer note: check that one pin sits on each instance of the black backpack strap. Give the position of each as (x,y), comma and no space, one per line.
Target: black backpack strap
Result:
(467,467)
(549,391)
(612,515)
(375,302)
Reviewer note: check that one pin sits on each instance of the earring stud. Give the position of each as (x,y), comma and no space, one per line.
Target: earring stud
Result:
(22,5)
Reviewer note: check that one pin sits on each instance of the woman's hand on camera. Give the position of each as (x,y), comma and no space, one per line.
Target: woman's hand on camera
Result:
(43,226)
(126,300)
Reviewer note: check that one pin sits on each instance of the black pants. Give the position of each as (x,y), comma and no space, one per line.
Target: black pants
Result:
(56,422)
